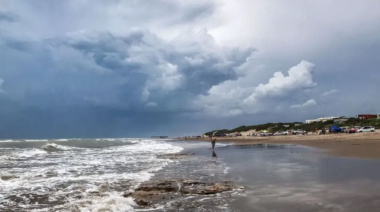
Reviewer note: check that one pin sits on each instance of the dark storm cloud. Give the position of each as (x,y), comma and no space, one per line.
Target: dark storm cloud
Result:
(139,56)
(181,12)
(52,18)
(15,44)
(8,16)
(88,79)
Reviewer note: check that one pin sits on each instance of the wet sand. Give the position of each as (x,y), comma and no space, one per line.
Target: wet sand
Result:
(334,172)
(357,145)
(285,177)
(291,178)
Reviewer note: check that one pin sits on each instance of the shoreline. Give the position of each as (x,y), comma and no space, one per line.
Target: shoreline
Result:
(358,145)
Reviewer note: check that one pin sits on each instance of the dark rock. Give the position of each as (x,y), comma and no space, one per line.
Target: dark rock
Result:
(29,199)
(191,182)
(166,186)
(150,193)
(127,194)
(141,202)
(8,177)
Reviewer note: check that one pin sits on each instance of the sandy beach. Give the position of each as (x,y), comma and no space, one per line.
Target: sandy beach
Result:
(358,145)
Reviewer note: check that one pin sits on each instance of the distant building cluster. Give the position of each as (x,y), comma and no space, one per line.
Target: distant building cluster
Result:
(367,116)
(342,119)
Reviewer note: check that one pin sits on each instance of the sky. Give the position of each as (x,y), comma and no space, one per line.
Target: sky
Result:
(112,68)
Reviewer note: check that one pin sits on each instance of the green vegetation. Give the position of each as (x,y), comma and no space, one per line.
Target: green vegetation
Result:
(273,127)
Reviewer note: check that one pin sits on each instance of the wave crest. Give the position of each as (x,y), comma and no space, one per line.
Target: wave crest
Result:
(54,147)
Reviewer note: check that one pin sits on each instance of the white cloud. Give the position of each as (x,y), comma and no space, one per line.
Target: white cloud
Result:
(294,26)
(308,103)
(1,85)
(236,97)
(166,77)
(328,93)
(299,76)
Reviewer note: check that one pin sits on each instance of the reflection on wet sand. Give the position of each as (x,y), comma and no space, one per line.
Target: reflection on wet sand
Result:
(214,154)
(294,178)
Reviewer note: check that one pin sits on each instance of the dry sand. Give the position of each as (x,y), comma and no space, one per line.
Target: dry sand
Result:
(359,145)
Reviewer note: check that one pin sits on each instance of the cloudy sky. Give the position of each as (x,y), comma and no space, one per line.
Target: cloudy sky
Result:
(112,68)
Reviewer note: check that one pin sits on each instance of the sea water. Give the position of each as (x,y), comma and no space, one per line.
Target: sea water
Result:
(77,174)
(93,174)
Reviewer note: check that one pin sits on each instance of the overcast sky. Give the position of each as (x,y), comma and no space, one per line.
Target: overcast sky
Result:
(133,68)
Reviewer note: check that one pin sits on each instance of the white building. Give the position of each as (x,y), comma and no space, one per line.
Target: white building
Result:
(322,119)
(378,116)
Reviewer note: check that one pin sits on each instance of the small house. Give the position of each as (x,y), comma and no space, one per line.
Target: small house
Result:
(367,116)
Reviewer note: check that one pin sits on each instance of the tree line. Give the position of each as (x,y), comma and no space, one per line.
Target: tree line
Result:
(274,127)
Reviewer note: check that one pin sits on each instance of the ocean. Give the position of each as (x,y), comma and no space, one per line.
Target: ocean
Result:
(93,174)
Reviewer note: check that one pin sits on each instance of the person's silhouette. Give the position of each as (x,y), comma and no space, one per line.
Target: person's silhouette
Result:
(213,154)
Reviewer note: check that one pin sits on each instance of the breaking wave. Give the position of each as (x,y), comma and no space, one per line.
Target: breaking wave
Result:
(6,141)
(52,147)
(36,140)
(62,139)
(30,153)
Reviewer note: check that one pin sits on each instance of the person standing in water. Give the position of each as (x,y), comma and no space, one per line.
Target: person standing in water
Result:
(213,140)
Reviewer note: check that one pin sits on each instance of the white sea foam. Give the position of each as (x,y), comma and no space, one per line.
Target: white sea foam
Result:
(36,140)
(113,202)
(83,171)
(5,141)
(61,139)
(124,140)
(225,171)
(4,157)
(133,141)
(29,153)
